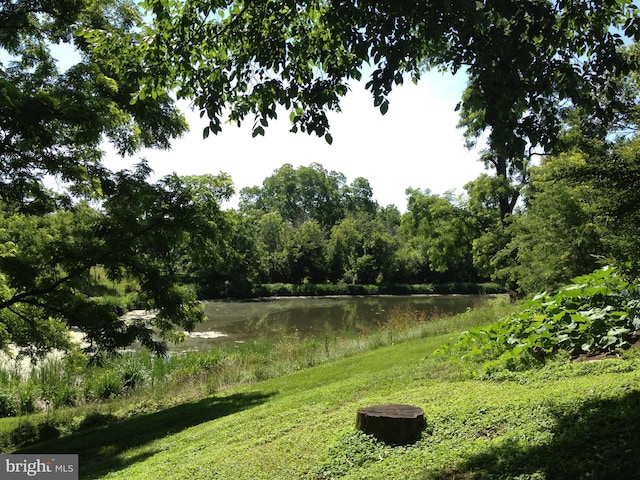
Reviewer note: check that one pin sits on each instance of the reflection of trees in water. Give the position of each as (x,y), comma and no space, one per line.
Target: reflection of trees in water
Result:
(321,316)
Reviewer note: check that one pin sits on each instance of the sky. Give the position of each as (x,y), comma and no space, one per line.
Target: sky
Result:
(416,144)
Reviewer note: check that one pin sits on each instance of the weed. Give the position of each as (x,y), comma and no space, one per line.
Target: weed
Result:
(8,407)
(133,373)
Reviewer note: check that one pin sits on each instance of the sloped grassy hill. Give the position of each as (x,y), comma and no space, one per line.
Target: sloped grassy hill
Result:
(564,421)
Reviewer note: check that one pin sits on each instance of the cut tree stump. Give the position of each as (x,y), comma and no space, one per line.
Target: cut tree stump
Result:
(394,424)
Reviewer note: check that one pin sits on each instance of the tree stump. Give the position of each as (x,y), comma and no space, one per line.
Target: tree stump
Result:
(393,424)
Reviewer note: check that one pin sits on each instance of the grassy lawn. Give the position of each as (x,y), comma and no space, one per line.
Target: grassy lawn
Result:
(566,420)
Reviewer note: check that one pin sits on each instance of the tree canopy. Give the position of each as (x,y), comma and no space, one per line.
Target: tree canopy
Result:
(527,64)
(54,116)
(524,61)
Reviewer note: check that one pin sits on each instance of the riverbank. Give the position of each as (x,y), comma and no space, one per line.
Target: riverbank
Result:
(331,289)
(563,421)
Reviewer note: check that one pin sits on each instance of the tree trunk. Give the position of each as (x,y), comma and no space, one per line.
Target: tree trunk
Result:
(393,424)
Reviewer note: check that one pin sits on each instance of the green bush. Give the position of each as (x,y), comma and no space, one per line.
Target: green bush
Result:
(66,396)
(104,386)
(133,373)
(8,406)
(311,289)
(27,397)
(26,432)
(598,313)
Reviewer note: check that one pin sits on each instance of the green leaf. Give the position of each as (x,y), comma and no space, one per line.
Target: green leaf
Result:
(384,107)
(328,138)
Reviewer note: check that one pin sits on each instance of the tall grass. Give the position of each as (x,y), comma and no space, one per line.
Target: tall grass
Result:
(70,393)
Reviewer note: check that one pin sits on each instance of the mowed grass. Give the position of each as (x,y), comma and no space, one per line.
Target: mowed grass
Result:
(566,420)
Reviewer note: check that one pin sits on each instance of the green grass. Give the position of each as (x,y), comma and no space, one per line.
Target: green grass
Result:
(563,421)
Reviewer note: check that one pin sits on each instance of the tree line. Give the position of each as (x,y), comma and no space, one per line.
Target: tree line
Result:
(307,225)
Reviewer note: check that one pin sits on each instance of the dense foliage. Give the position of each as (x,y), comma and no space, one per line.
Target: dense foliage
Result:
(62,214)
(308,226)
(597,313)
(526,63)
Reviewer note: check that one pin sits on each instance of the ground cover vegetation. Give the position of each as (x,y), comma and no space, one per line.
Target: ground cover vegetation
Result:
(65,395)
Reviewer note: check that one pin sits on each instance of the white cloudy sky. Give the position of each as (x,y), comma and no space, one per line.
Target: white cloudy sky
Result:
(416,144)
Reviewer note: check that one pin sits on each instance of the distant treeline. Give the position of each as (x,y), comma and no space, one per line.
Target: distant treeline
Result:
(305,231)
(326,289)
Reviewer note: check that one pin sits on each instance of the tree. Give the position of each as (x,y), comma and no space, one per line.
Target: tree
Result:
(141,232)
(55,117)
(606,172)
(299,195)
(53,120)
(524,60)
(361,249)
(485,197)
(307,253)
(358,197)
(240,266)
(557,238)
(578,212)
(443,233)
(343,249)
(274,239)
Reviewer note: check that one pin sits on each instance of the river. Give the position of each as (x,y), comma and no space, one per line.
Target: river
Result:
(241,321)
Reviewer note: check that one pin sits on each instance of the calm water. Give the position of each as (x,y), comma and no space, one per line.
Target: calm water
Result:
(231,321)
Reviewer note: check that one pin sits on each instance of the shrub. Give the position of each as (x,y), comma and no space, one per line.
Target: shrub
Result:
(8,407)
(104,386)
(597,313)
(27,399)
(26,432)
(66,396)
(133,373)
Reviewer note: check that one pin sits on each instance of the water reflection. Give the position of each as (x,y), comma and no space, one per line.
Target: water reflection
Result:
(237,321)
